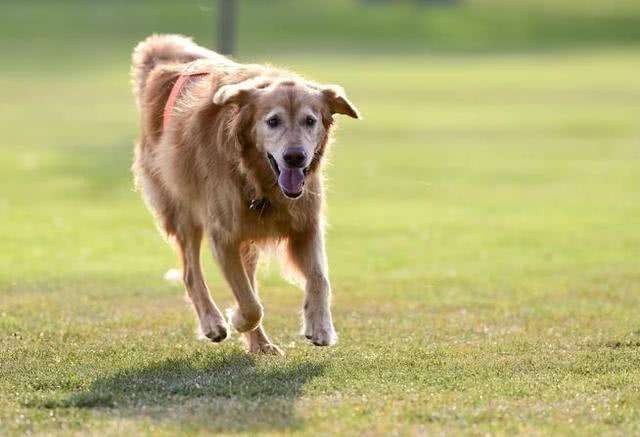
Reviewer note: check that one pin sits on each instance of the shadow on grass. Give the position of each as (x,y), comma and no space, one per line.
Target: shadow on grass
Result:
(230,392)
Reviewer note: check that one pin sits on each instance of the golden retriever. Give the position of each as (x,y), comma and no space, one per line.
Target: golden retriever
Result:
(234,152)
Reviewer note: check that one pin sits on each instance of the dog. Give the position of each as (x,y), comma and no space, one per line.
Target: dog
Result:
(234,153)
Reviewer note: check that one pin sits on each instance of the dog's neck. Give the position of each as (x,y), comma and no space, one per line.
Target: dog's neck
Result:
(256,197)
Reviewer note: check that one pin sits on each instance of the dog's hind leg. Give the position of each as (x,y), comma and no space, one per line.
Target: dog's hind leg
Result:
(307,253)
(257,340)
(212,323)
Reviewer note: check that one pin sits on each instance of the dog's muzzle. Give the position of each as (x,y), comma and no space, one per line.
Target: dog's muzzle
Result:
(290,177)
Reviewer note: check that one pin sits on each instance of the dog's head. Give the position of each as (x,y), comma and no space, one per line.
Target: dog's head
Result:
(288,120)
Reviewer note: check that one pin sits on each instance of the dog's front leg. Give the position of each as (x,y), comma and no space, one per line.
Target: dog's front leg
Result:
(307,252)
(249,312)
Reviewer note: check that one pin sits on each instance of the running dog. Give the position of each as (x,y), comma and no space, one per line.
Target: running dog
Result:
(234,153)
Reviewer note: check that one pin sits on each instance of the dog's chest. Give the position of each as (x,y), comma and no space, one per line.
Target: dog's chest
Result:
(275,221)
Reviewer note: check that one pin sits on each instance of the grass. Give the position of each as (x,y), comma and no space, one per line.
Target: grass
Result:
(484,249)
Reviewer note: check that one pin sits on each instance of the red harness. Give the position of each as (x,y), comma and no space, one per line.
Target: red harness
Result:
(183,79)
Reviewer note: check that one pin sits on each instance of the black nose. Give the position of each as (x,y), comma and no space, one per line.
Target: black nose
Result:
(295,157)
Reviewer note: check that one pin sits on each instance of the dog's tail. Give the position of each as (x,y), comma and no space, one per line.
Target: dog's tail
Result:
(162,49)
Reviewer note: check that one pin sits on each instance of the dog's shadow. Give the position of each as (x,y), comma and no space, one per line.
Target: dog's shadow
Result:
(212,392)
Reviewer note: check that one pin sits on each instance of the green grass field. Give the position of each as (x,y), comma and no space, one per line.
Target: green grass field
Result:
(484,246)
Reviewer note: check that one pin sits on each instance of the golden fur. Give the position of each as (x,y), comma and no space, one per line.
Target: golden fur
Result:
(200,173)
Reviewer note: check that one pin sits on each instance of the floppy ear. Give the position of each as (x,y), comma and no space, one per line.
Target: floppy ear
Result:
(237,93)
(337,100)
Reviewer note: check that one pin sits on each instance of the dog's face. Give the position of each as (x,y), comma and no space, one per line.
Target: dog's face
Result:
(290,123)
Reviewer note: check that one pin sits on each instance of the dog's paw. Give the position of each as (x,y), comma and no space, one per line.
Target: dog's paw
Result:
(320,333)
(265,348)
(322,337)
(213,328)
(244,322)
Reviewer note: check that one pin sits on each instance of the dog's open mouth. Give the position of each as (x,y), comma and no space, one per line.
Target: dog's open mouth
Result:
(290,180)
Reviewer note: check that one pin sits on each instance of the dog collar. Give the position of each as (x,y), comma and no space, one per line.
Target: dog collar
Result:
(260,205)
(182,80)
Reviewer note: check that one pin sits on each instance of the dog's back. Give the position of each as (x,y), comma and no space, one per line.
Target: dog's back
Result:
(165,49)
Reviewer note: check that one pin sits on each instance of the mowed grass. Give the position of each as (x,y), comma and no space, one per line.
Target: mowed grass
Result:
(484,246)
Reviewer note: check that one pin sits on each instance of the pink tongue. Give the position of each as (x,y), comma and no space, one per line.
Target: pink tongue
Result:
(291,180)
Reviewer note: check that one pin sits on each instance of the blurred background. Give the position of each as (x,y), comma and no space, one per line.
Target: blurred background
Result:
(491,193)
(489,124)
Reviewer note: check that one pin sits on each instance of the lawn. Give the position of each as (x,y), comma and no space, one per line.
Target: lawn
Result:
(484,246)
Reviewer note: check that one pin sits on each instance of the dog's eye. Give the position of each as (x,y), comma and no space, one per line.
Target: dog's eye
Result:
(309,121)
(273,121)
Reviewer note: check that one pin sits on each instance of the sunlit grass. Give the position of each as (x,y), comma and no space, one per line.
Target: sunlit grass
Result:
(484,246)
